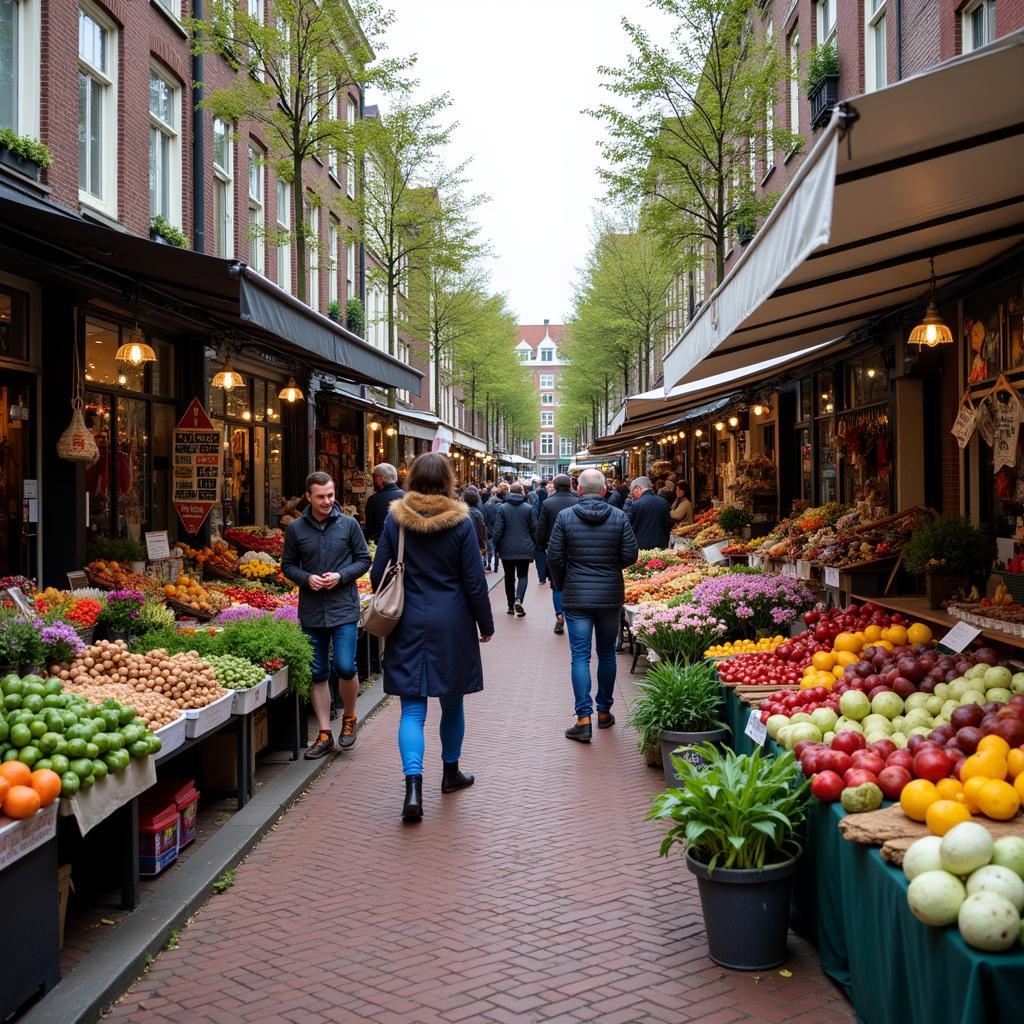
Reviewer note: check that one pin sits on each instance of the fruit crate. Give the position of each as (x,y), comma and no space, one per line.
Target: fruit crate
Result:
(172,736)
(247,701)
(182,793)
(278,683)
(200,721)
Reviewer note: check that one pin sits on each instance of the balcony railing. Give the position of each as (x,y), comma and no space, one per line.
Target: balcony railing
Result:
(823,97)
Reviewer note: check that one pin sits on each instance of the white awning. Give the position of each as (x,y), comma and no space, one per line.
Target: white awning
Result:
(471,441)
(931,166)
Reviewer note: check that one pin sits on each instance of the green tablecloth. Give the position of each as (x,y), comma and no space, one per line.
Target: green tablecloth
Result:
(736,714)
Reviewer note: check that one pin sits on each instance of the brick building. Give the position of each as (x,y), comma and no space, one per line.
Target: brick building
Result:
(538,347)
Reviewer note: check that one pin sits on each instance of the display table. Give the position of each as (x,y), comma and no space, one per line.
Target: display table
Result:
(735,717)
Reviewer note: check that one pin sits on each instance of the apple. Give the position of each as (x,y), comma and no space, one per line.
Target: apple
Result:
(891,781)
(932,764)
(834,760)
(883,748)
(827,786)
(849,741)
(900,759)
(858,776)
(869,760)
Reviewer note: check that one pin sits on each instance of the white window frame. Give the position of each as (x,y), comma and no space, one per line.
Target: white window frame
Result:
(825,12)
(255,9)
(224,176)
(106,202)
(350,156)
(547,418)
(283,191)
(257,210)
(547,444)
(565,447)
(547,355)
(769,113)
(793,48)
(313,261)
(332,258)
(547,399)
(172,131)
(875,31)
(547,380)
(350,272)
(26,44)
(967,40)
(171,7)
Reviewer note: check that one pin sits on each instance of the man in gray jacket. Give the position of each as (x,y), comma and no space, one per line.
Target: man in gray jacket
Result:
(324,554)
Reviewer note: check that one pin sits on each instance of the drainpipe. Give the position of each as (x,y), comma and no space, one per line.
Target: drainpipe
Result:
(198,147)
(362,245)
(899,40)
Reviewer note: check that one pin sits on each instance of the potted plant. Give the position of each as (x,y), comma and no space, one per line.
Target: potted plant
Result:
(60,643)
(823,82)
(334,310)
(164,232)
(681,633)
(120,617)
(679,706)
(23,645)
(732,519)
(951,554)
(23,154)
(355,318)
(736,817)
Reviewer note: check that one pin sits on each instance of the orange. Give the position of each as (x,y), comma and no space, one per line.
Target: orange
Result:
(17,773)
(942,815)
(825,679)
(885,644)
(950,789)
(847,642)
(998,800)
(1015,762)
(824,661)
(988,763)
(896,635)
(1018,784)
(872,633)
(971,788)
(4,786)
(21,801)
(47,784)
(917,796)
(845,658)
(996,743)
(919,633)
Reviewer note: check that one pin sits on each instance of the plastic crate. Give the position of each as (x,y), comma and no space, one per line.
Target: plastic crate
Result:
(247,701)
(200,721)
(185,797)
(172,736)
(159,832)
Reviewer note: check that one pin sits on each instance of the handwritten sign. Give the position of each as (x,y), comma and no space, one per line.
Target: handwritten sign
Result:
(789,569)
(197,465)
(158,545)
(1004,433)
(959,637)
(18,597)
(756,729)
(713,553)
(831,576)
(963,426)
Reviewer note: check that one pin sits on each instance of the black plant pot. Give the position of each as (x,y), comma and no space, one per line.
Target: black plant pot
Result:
(671,740)
(118,634)
(27,168)
(746,913)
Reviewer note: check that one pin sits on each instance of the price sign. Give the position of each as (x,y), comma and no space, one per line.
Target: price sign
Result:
(713,554)
(17,595)
(197,462)
(959,637)
(789,569)
(831,576)
(158,545)
(756,729)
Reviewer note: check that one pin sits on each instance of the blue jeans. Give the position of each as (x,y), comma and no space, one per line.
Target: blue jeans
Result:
(540,556)
(410,731)
(344,642)
(556,600)
(491,558)
(603,625)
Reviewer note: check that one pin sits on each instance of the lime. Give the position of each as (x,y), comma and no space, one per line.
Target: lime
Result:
(70,719)
(12,684)
(29,755)
(5,729)
(32,702)
(111,719)
(81,766)
(86,781)
(115,741)
(21,735)
(11,755)
(69,783)
(60,763)
(44,762)
(77,748)
(37,727)
(47,743)
(54,700)
(53,685)
(12,700)
(102,742)
(99,769)
(91,750)
(140,748)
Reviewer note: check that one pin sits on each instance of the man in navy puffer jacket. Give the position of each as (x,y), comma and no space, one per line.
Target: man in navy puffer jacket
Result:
(591,543)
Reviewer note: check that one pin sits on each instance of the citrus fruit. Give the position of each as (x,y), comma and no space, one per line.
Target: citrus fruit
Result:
(21,801)
(950,789)
(1018,784)
(47,784)
(845,658)
(917,796)
(942,815)
(996,743)
(988,763)
(872,633)
(971,787)
(896,635)
(847,642)
(998,799)
(824,661)
(4,786)
(1014,762)
(17,773)
(919,633)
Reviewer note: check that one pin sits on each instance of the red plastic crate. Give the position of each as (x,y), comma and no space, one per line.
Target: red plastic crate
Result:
(159,833)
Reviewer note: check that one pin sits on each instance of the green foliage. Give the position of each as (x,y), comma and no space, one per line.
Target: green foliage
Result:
(355,318)
(166,230)
(676,698)
(225,882)
(172,940)
(334,308)
(951,546)
(823,61)
(732,519)
(25,148)
(115,549)
(737,811)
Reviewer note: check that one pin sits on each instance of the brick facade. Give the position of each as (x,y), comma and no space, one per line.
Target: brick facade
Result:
(534,338)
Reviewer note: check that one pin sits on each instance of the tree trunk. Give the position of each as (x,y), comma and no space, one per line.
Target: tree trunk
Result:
(300,227)
(435,351)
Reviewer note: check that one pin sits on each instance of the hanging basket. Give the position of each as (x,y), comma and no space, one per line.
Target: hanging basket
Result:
(77,444)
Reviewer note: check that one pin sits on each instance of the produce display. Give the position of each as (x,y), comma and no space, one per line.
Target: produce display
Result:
(235,673)
(23,791)
(699,524)
(218,556)
(256,538)
(117,576)
(759,668)
(190,592)
(727,650)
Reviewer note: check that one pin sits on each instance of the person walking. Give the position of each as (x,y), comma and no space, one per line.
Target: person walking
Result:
(490,511)
(648,515)
(591,543)
(386,490)
(434,649)
(682,508)
(324,554)
(471,496)
(514,533)
(560,498)
(614,496)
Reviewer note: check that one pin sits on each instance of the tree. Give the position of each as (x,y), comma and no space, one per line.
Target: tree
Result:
(292,70)
(694,117)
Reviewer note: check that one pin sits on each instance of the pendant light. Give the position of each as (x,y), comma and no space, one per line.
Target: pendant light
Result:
(291,393)
(932,330)
(135,350)
(228,378)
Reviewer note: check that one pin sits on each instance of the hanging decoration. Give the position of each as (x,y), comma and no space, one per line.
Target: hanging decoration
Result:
(77,444)
(966,420)
(1006,424)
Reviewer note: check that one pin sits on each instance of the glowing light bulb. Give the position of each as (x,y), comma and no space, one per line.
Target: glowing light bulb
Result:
(719,426)
(734,421)
(135,354)
(758,410)
(122,379)
(246,415)
(698,432)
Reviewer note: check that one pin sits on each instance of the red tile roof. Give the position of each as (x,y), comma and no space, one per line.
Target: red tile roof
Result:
(533,334)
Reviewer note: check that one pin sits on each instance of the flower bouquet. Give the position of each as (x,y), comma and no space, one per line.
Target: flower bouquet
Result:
(752,604)
(679,634)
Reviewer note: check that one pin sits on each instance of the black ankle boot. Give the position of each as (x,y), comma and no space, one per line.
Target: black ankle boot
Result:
(452,779)
(412,809)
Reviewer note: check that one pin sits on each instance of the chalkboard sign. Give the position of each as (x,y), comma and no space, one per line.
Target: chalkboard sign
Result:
(197,465)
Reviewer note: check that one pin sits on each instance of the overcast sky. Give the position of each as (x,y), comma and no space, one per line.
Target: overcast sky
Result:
(520,73)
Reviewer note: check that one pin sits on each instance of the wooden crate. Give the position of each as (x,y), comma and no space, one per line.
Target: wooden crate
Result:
(260,729)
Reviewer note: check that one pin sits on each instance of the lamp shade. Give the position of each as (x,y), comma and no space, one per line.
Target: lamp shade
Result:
(290,393)
(135,350)
(931,331)
(228,378)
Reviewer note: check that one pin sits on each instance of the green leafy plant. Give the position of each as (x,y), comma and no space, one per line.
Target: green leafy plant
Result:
(334,309)
(115,549)
(676,698)
(737,810)
(224,882)
(25,148)
(823,61)
(172,940)
(950,546)
(732,519)
(355,317)
(167,231)
(259,640)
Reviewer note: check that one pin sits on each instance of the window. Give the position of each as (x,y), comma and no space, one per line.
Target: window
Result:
(350,271)
(794,82)
(547,380)
(97,107)
(547,419)
(547,355)
(332,257)
(257,224)
(19,66)
(769,112)
(826,11)
(978,24)
(547,444)
(565,448)
(256,10)
(164,148)
(172,7)
(875,54)
(547,399)
(350,157)
(223,191)
(284,245)
(313,259)
(524,355)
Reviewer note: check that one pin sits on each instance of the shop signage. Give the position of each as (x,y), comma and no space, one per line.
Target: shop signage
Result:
(713,553)
(959,637)
(986,427)
(831,576)
(1006,428)
(197,465)
(789,570)
(964,425)
(756,729)
(158,545)
(358,484)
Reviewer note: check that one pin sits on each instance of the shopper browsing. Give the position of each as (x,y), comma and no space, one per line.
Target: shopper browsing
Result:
(324,554)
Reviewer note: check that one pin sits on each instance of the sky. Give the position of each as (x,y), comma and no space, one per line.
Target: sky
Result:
(520,72)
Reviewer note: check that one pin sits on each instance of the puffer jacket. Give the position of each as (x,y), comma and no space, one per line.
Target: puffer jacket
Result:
(549,513)
(590,545)
(490,511)
(515,529)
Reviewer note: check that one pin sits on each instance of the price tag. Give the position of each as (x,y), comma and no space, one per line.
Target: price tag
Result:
(158,546)
(18,597)
(959,637)
(756,729)
(789,569)
(713,554)
(831,576)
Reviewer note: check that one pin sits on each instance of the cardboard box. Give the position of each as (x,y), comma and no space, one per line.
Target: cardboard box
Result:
(220,761)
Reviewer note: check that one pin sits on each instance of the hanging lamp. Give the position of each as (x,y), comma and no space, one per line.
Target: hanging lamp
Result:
(228,378)
(291,392)
(932,330)
(135,350)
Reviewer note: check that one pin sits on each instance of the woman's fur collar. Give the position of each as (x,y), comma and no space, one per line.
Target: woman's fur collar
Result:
(428,513)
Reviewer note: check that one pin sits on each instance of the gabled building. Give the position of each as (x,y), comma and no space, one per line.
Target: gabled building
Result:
(539,347)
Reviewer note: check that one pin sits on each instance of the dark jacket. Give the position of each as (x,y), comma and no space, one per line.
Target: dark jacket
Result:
(479,525)
(311,549)
(490,511)
(549,513)
(590,545)
(533,498)
(650,519)
(434,649)
(377,506)
(515,529)
(614,498)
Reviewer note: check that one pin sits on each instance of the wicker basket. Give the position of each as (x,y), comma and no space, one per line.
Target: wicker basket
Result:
(186,610)
(98,582)
(1015,585)
(215,572)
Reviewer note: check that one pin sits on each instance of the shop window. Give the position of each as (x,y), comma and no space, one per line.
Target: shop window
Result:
(97,109)
(867,382)
(806,465)
(825,398)
(13,324)
(828,484)
(806,399)
(993,324)
(98,484)
(102,341)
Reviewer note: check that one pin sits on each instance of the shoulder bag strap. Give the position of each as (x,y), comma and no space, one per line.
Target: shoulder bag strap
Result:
(401,546)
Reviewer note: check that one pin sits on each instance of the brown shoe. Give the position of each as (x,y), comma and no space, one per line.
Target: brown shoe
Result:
(347,738)
(323,746)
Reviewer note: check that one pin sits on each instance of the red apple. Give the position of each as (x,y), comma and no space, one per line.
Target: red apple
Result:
(891,781)
(900,759)
(849,741)
(932,764)
(968,738)
(883,748)
(869,760)
(857,776)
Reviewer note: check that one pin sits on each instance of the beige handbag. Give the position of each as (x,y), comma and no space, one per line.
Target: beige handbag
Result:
(381,615)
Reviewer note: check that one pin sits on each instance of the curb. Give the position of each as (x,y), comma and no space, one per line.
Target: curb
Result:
(92,987)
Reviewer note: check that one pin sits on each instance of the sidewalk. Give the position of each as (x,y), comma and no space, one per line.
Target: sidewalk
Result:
(537,895)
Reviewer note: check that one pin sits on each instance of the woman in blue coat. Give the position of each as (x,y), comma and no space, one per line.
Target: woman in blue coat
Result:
(434,649)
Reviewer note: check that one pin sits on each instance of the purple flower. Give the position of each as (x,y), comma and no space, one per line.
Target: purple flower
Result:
(287,613)
(239,613)
(60,641)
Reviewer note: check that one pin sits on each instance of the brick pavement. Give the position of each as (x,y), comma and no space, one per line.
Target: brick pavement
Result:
(537,895)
